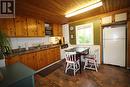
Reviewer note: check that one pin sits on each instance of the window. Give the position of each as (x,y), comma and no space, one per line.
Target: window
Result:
(84,34)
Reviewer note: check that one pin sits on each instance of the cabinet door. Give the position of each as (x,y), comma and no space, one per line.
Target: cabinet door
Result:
(57,53)
(32,28)
(60,30)
(8,27)
(50,56)
(53,55)
(40,28)
(41,59)
(29,60)
(32,60)
(57,30)
(12,60)
(21,26)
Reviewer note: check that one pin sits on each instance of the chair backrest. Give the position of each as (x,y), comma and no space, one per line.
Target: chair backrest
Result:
(70,56)
(93,52)
(86,51)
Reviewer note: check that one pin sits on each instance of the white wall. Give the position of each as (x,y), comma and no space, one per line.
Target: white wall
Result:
(15,42)
(65,29)
(92,47)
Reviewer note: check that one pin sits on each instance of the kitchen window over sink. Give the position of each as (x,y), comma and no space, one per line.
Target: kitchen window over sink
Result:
(84,34)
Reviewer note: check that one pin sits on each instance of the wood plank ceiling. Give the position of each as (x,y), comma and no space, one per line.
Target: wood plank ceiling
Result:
(53,11)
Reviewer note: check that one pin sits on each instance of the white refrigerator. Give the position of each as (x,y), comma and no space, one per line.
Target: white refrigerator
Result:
(114,45)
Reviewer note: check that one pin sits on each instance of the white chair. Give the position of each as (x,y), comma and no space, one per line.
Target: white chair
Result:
(72,62)
(91,61)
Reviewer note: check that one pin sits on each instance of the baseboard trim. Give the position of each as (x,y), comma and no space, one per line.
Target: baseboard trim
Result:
(114,65)
(48,66)
(128,67)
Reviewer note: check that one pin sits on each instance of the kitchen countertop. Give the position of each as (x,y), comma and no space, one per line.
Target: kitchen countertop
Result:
(31,50)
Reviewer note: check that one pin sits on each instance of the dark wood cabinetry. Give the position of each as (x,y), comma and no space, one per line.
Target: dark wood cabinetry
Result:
(128,44)
(37,60)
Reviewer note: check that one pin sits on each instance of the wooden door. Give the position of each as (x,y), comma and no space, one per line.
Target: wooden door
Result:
(53,55)
(29,60)
(60,30)
(40,28)
(57,53)
(50,56)
(57,30)
(128,45)
(12,60)
(41,59)
(32,28)
(8,27)
(23,59)
(21,26)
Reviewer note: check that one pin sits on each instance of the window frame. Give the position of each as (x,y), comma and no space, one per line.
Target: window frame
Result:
(92,33)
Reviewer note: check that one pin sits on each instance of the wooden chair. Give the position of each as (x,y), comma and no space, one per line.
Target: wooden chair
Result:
(90,60)
(72,62)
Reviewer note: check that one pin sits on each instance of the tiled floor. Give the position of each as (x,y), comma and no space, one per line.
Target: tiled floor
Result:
(108,76)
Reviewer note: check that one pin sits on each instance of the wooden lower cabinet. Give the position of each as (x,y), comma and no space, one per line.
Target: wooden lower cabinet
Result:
(41,59)
(50,56)
(128,57)
(53,55)
(29,60)
(57,53)
(12,60)
(37,60)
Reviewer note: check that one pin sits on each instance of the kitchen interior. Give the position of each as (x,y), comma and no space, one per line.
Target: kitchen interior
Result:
(41,31)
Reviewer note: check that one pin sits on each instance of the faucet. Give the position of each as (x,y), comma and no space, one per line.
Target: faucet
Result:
(19,48)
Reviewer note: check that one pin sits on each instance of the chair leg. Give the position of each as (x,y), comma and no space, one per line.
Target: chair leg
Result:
(86,63)
(66,68)
(74,69)
(76,65)
(95,65)
(79,65)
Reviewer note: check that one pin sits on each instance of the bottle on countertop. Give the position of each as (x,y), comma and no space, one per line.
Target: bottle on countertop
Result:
(26,46)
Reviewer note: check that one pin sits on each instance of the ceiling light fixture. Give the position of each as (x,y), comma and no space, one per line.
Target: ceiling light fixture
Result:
(90,7)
